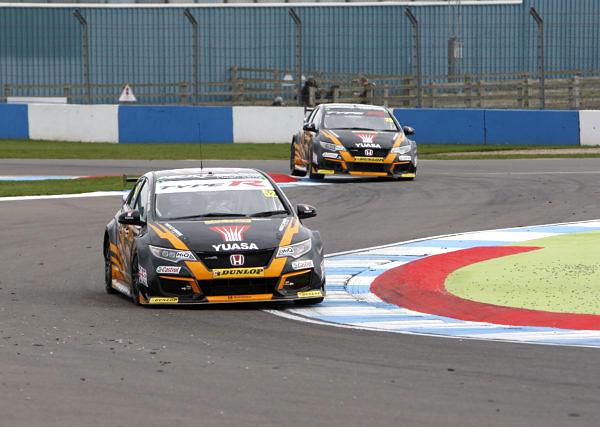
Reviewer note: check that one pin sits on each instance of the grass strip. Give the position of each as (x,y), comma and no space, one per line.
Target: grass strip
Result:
(26,149)
(61,186)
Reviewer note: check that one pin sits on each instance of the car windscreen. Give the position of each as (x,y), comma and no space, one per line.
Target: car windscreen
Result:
(359,119)
(201,198)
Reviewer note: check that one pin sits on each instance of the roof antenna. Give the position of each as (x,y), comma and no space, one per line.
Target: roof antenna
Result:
(200,142)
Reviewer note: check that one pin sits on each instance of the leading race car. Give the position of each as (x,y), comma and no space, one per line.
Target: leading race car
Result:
(189,236)
(353,139)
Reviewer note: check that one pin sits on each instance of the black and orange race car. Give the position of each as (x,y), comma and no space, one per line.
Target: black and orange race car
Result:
(353,139)
(188,236)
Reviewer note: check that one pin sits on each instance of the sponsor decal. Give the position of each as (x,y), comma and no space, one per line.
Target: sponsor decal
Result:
(325,171)
(168,269)
(367,145)
(330,155)
(301,265)
(173,229)
(227,298)
(369,159)
(238,273)
(234,246)
(368,152)
(310,294)
(366,138)
(221,221)
(408,175)
(163,300)
(404,158)
(191,185)
(269,193)
(142,276)
(231,233)
(284,223)
(237,259)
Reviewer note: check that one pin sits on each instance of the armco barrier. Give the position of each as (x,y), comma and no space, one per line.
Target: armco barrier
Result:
(438,126)
(175,124)
(88,123)
(13,121)
(589,127)
(527,127)
(266,124)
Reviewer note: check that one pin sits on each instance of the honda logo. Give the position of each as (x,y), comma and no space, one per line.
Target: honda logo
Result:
(237,259)
(368,152)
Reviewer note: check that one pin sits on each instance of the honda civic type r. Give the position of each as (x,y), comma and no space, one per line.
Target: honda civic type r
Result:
(193,236)
(353,139)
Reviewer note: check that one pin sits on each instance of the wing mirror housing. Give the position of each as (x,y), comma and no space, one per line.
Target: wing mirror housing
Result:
(131,218)
(310,127)
(306,211)
(408,130)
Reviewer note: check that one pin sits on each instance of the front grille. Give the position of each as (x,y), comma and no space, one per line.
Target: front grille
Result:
(377,152)
(173,287)
(251,259)
(366,167)
(259,285)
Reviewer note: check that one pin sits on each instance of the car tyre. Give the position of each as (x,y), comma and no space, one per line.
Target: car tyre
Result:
(135,277)
(294,171)
(309,301)
(108,271)
(312,175)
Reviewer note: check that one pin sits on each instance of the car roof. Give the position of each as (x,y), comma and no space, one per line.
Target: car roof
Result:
(354,106)
(213,173)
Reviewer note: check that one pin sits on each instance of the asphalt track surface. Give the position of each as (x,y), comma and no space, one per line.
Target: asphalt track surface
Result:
(72,355)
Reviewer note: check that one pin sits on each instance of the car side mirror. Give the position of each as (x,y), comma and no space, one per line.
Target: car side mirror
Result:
(408,130)
(306,211)
(310,127)
(131,218)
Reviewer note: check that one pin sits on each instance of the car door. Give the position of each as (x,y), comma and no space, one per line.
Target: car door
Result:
(312,122)
(126,234)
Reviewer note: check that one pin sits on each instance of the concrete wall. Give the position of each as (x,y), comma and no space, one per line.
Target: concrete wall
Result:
(266,124)
(178,124)
(589,127)
(89,123)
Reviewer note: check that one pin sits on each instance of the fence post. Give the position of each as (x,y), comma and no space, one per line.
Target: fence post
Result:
(6,91)
(540,23)
(416,53)
(480,89)
(276,84)
(574,92)
(298,23)
(194,23)
(468,91)
(86,54)
(236,86)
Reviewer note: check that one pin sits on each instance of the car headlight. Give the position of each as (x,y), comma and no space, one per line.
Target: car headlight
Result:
(173,255)
(332,147)
(403,149)
(296,250)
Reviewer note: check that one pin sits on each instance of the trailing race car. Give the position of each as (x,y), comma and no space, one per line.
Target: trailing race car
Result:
(353,139)
(188,236)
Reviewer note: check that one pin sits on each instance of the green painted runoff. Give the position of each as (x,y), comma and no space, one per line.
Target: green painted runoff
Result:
(563,277)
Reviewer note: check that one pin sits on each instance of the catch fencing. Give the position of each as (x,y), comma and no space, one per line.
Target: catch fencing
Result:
(536,54)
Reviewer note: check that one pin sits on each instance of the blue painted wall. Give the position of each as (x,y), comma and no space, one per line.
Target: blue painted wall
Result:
(175,124)
(527,127)
(439,126)
(13,121)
